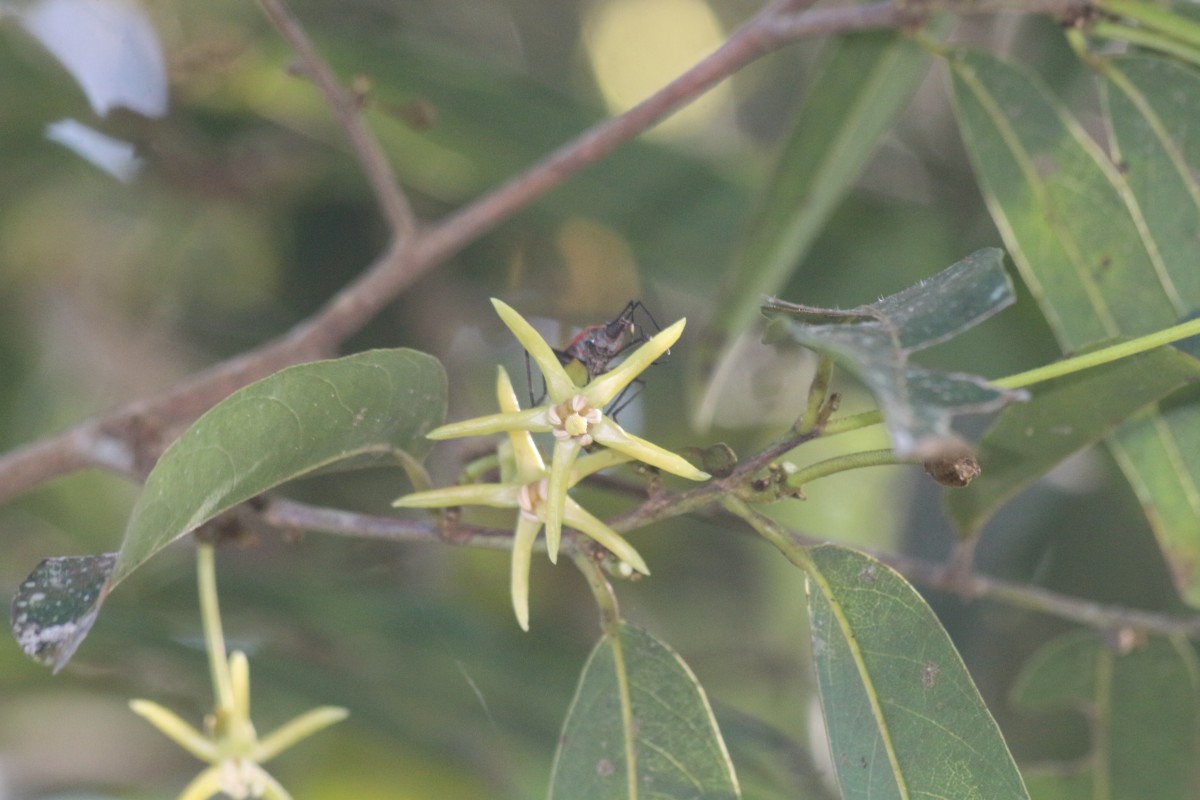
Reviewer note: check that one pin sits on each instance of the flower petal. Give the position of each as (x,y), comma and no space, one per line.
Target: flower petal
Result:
(558,384)
(581,519)
(565,451)
(205,785)
(532,420)
(522,554)
(603,458)
(496,495)
(272,789)
(607,386)
(299,728)
(175,729)
(610,434)
(525,453)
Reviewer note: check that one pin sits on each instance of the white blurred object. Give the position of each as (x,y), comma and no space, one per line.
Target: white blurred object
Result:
(110,49)
(114,156)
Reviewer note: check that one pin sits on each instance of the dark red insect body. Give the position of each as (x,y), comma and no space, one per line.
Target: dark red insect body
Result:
(597,345)
(595,348)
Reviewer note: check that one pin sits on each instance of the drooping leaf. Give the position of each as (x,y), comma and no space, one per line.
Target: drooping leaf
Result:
(362,409)
(875,344)
(1063,417)
(1141,705)
(640,727)
(865,80)
(903,717)
(1104,254)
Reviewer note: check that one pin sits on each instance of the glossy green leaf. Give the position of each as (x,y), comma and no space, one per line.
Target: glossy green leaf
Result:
(640,727)
(918,404)
(903,717)
(1102,252)
(366,408)
(1063,417)
(1141,705)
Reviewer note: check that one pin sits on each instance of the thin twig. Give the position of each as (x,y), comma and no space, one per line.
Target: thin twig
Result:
(292,515)
(289,514)
(973,586)
(395,206)
(1035,598)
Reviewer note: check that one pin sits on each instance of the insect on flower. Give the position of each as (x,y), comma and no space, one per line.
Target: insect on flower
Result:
(594,348)
(597,345)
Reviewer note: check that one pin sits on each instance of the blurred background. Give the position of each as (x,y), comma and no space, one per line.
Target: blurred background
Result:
(226,207)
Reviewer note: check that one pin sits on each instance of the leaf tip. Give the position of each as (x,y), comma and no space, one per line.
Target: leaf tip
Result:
(56,606)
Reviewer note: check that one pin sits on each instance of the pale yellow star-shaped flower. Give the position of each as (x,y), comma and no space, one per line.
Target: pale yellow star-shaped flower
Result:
(575,416)
(524,487)
(231,747)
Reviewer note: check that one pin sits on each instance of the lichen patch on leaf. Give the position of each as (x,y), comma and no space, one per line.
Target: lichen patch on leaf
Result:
(55,607)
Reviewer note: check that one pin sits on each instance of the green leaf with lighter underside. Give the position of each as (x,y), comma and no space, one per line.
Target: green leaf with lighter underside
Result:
(640,728)
(1064,416)
(1141,707)
(904,719)
(1107,250)
(875,341)
(373,407)
(362,408)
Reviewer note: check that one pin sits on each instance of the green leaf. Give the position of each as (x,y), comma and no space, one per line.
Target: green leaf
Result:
(372,407)
(1060,204)
(865,81)
(56,605)
(1065,416)
(1103,252)
(918,404)
(1152,105)
(1141,706)
(903,717)
(640,726)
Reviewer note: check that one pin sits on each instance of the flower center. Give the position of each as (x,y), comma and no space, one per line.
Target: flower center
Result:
(241,779)
(574,419)
(530,499)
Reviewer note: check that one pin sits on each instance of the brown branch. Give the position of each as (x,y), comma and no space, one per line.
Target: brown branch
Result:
(144,427)
(286,515)
(129,439)
(289,514)
(755,39)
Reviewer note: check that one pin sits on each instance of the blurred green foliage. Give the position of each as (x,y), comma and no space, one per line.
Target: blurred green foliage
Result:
(251,211)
